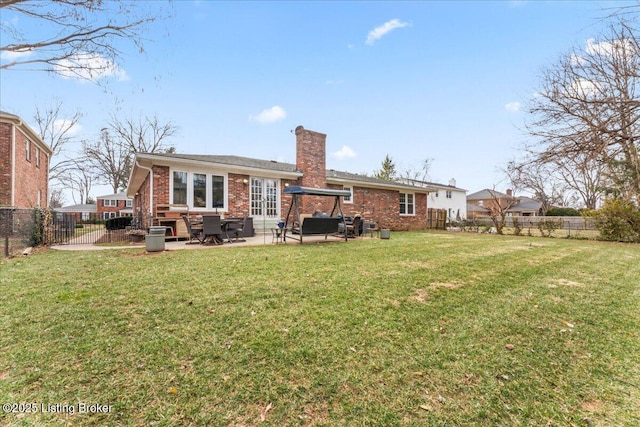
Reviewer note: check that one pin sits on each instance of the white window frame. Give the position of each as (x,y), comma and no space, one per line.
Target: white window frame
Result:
(37,157)
(109,215)
(350,190)
(407,204)
(109,203)
(28,150)
(128,203)
(449,194)
(209,188)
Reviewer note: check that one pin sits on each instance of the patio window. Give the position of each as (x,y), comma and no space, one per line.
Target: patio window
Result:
(406,204)
(199,190)
(179,188)
(217,191)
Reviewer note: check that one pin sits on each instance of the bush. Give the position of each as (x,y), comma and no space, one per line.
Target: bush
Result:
(118,223)
(619,220)
(548,226)
(78,225)
(517,227)
(563,212)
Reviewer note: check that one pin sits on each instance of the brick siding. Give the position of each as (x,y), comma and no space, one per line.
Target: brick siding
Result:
(30,177)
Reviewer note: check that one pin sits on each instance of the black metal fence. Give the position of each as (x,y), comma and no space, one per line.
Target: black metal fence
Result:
(22,228)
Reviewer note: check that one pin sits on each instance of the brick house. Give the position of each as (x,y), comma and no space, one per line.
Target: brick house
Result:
(24,164)
(247,187)
(114,205)
(480,204)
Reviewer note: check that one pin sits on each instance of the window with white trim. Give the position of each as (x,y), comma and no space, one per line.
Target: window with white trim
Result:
(198,190)
(109,203)
(128,203)
(28,150)
(37,157)
(448,194)
(107,215)
(349,198)
(407,204)
(179,187)
(217,191)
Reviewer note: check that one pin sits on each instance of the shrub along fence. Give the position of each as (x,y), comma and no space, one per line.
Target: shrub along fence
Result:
(545,225)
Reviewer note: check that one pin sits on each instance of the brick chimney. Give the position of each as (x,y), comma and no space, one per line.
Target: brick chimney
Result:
(311,161)
(509,192)
(311,157)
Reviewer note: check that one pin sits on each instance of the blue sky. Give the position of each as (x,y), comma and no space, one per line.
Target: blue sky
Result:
(416,80)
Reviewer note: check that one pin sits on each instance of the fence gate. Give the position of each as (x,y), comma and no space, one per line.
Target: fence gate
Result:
(436,219)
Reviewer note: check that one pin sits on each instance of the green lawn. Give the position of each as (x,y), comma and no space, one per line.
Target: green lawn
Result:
(422,329)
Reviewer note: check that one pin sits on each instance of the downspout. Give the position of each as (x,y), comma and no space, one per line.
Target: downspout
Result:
(150,187)
(13,164)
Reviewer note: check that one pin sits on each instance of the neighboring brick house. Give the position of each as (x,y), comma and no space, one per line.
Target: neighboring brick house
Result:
(480,204)
(241,186)
(82,212)
(24,164)
(114,205)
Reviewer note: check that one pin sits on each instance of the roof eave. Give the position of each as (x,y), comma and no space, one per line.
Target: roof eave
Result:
(365,184)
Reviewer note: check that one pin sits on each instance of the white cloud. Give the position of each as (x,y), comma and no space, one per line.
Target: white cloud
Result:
(384,29)
(333,82)
(344,153)
(89,67)
(512,107)
(269,115)
(62,124)
(608,47)
(12,56)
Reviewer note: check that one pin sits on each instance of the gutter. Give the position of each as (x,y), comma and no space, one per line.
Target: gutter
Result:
(150,186)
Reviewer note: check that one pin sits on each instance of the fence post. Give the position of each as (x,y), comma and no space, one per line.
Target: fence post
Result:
(5,228)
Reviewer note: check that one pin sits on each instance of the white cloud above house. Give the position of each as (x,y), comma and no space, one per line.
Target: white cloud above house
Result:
(384,29)
(269,115)
(345,152)
(62,124)
(512,107)
(87,66)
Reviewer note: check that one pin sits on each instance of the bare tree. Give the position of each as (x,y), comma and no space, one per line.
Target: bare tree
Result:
(80,180)
(74,37)
(589,106)
(585,177)
(417,173)
(538,179)
(56,130)
(499,206)
(146,135)
(108,160)
(56,198)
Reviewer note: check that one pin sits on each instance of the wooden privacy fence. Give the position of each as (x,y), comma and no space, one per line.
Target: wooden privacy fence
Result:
(436,219)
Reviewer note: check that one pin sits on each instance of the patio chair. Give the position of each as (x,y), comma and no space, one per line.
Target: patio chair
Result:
(194,232)
(235,228)
(212,229)
(353,229)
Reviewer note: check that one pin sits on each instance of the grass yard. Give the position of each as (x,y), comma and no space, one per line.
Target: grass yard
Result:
(424,329)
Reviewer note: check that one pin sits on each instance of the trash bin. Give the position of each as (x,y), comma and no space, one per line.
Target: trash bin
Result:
(154,241)
(385,233)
